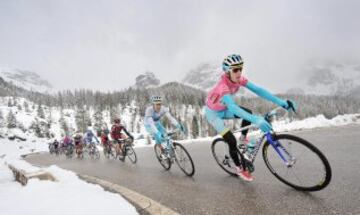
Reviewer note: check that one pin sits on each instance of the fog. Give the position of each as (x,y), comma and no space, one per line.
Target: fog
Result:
(105,44)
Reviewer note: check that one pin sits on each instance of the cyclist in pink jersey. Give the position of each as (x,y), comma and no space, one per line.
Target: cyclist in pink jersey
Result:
(220,105)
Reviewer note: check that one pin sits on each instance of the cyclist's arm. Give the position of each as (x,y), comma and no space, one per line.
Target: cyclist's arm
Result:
(97,140)
(173,121)
(150,121)
(127,133)
(265,94)
(234,108)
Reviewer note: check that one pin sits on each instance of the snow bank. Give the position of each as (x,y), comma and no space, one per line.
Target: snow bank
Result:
(66,196)
(316,122)
(319,121)
(47,197)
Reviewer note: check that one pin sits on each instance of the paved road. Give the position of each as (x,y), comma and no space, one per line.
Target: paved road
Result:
(212,191)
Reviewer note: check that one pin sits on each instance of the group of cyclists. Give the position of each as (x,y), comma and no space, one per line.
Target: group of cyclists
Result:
(89,139)
(219,105)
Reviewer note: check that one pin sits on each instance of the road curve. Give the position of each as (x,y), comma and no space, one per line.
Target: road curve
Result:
(212,191)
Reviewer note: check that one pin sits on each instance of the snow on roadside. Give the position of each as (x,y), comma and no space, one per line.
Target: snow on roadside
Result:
(64,196)
(319,121)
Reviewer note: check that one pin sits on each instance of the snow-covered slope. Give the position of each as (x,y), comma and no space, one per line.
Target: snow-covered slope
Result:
(26,113)
(26,79)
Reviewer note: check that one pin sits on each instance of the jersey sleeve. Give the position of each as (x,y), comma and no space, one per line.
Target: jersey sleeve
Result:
(173,121)
(229,102)
(149,120)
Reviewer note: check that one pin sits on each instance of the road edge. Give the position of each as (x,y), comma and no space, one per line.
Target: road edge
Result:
(145,205)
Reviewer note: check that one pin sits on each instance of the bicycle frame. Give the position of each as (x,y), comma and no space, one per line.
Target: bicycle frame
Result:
(286,157)
(169,143)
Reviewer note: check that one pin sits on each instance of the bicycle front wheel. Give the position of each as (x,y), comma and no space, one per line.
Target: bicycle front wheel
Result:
(305,168)
(183,159)
(165,162)
(96,154)
(131,154)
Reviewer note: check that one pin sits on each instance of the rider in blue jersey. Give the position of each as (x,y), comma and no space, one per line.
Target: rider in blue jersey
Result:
(89,137)
(153,125)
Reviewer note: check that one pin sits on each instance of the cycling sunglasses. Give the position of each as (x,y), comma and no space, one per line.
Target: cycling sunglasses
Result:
(237,69)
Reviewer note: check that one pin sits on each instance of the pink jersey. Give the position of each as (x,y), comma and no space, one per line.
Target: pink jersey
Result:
(223,87)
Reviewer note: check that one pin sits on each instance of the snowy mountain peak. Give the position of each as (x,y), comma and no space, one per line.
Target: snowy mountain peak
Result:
(204,76)
(26,79)
(146,80)
(332,78)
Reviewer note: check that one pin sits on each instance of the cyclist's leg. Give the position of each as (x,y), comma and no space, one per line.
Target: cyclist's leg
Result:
(117,147)
(229,115)
(150,130)
(161,128)
(245,122)
(215,118)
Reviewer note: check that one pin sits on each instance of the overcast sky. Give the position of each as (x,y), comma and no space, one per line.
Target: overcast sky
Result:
(106,44)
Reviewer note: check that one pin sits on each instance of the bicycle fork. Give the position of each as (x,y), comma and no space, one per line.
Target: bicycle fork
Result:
(169,150)
(282,152)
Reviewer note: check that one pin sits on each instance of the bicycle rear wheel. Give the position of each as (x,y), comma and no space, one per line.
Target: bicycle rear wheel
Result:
(307,168)
(220,151)
(130,153)
(183,159)
(166,163)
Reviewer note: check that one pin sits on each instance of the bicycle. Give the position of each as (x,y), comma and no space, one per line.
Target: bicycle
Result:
(92,151)
(69,150)
(174,151)
(127,150)
(108,150)
(79,151)
(282,158)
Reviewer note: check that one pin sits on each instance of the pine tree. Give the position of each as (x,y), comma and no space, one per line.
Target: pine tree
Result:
(63,124)
(82,119)
(195,127)
(11,120)
(21,126)
(2,123)
(35,126)
(114,113)
(98,120)
(50,119)
(10,103)
(40,112)
(19,107)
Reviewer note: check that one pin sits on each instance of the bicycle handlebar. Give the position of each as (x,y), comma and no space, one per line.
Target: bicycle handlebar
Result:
(171,133)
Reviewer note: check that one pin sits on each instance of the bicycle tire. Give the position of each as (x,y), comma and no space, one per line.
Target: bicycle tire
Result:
(224,160)
(165,163)
(130,153)
(323,182)
(192,171)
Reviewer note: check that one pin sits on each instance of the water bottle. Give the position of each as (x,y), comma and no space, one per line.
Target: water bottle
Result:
(251,145)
